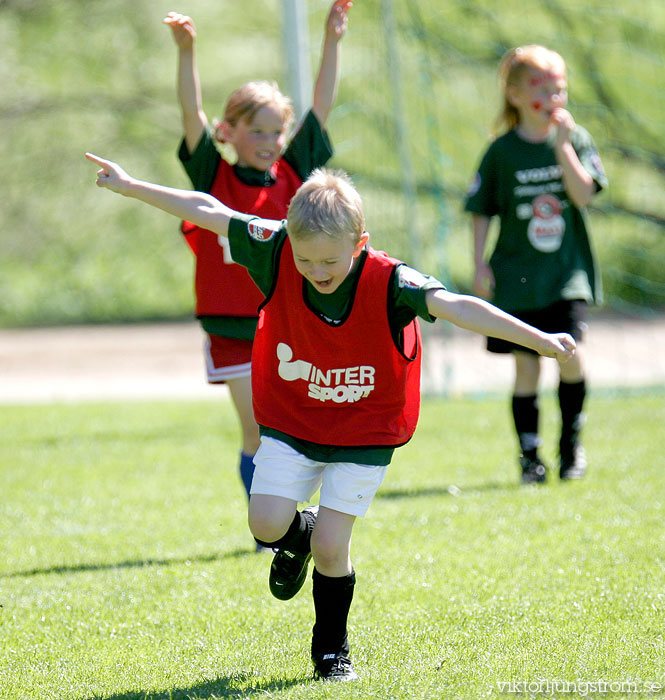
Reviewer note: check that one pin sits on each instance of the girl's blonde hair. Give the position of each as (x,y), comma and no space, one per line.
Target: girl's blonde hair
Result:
(244,102)
(512,66)
(328,203)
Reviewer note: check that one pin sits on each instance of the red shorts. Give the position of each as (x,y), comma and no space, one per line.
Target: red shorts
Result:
(227,358)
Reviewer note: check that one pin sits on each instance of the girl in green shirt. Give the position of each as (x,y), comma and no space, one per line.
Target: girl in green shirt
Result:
(537,178)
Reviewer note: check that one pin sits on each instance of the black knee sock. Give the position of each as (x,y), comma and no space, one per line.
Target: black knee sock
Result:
(571,402)
(332,602)
(525,415)
(297,537)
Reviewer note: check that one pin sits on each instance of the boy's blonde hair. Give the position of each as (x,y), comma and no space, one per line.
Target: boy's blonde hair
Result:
(328,203)
(244,102)
(512,66)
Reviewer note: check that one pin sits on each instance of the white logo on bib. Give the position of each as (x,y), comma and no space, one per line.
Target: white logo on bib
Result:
(343,385)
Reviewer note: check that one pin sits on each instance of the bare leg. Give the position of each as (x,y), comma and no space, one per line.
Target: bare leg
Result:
(572,371)
(527,373)
(241,395)
(270,516)
(331,542)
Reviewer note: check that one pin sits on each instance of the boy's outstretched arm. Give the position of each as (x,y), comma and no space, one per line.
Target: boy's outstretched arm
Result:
(202,209)
(194,119)
(325,88)
(482,317)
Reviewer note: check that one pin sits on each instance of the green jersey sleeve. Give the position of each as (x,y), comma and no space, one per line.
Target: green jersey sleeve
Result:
(588,154)
(409,296)
(481,197)
(309,147)
(255,244)
(201,165)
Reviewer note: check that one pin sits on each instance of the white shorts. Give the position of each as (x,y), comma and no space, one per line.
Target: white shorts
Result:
(345,487)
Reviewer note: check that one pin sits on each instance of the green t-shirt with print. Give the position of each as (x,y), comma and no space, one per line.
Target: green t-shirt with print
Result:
(406,301)
(308,148)
(543,252)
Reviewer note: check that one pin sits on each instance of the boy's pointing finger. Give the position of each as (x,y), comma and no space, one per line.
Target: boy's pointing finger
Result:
(106,169)
(96,159)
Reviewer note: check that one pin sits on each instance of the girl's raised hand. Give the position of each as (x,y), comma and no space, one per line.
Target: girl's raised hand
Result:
(338,19)
(183,29)
(110,175)
(564,122)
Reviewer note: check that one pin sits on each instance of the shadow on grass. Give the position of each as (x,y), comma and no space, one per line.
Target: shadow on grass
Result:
(136,563)
(450,490)
(237,685)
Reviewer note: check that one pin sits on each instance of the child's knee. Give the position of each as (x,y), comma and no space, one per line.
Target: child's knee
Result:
(329,553)
(269,521)
(265,528)
(266,535)
(573,370)
(260,521)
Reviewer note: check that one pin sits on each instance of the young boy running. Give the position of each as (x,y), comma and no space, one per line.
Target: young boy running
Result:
(336,378)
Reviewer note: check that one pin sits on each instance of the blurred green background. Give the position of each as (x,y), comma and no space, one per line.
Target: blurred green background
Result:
(417,99)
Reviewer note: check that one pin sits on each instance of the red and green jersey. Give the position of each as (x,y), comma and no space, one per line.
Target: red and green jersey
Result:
(222,287)
(260,246)
(350,382)
(226,298)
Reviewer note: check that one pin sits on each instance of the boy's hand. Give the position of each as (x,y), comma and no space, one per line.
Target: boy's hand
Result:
(564,122)
(183,29)
(110,175)
(338,19)
(564,347)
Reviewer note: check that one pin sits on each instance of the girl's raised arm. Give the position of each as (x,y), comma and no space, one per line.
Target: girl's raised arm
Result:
(194,119)
(325,89)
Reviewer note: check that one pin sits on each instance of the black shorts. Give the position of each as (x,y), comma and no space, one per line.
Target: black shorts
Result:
(561,317)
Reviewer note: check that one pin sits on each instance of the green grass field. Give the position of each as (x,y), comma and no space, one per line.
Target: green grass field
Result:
(127,572)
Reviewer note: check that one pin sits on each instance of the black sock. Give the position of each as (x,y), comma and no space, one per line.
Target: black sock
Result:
(332,602)
(571,402)
(296,538)
(525,415)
